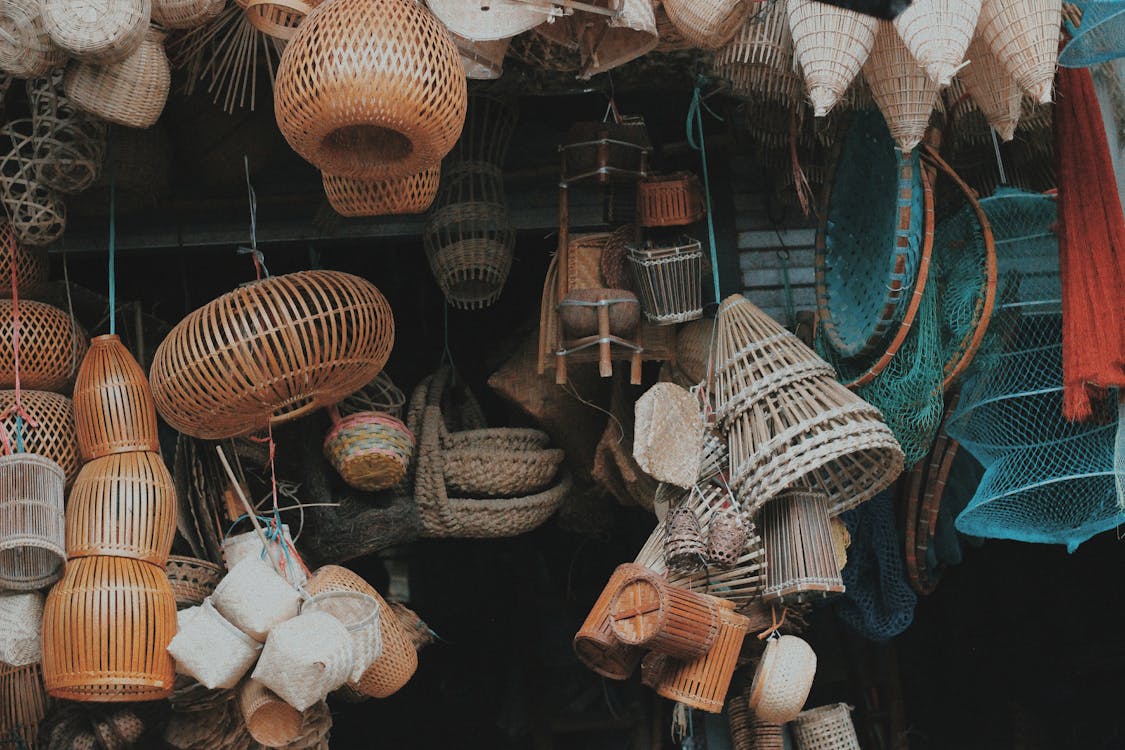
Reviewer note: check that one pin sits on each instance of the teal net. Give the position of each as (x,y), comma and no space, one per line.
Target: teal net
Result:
(960,264)
(1100,36)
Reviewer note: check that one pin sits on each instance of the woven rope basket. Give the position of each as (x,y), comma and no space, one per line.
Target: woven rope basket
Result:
(32,265)
(305,659)
(937,33)
(825,728)
(371,89)
(26,49)
(703,682)
(210,649)
(54,437)
(782,680)
(595,644)
(831,44)
(69,143)
(35,212)
(124,613)
(192,579)
(904,92)
(32,531)
(21,620)
(337,330)
(185,14)
(269,720)
(23,703)
(113,406)
(352,196)
(708,24)
(992,88)
(100,32)
(130,92)
(1024,37)
(51,345)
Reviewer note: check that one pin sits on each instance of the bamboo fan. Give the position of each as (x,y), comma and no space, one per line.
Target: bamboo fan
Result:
(51,345)
(23,703)
(31,522)
(54,437)
(1024,37)
(758,62)
(100,32)
(32,266)
(992,88)
(703,682)
(352,196)
(937,33)
(130,92)
(831,44)
(800,557)
(113,406)
(707,24)
(69,143)
(26,49)
(904,92)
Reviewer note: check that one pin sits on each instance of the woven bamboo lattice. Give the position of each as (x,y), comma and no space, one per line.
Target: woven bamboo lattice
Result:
(672,200)
(277,18)
(758,62)
(31,522)
(69,143)
(825,728)
(185,14)
(215,375)
(192,579)
(789,421)
(371,451)
(1024,37)
(100,32)
(392,668)
(130,92)
(703,682)
(992,88)
(51,346)
(800,559)
(782,680)
(649,612)
(397,97)
(26,49)
(937,33)
(34,211)
(904,92)
(595,645)
(113,407)
(32,265)
(53,435)
(124,613)
(352,196)
(482,60)
(122,505)
(831,44)
(708,24)
(23,703)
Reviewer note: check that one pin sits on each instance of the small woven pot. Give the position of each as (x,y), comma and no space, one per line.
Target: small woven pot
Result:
(783,680)
(362,616)
(99,32)
(32,265)
(305,659)
(23,703)
(35,212)
(192,579)
(825,728)
(647,611)
(238,547)
(371,451)
(831,44)
(26,49)
(31,522)
(54,437)
(683,542)
(130,92)
(355,196)
(581,308)
(21,619)
(726,540)
(210,649)
(114,410)
(269,720)
(51,345)
(668,434)
(254,598)
(185,14)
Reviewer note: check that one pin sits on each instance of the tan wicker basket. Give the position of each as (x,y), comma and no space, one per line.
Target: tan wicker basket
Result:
(595,644)
(32,531)
(703,682)
(35,212)
(1024,37)
(269,720)
(185,14)
(113,407)
(192,579)
(905,93)
(707,24)
(831,43)
(937,33)
(32,265)
(413,194)
(53,438)
(825,728)
(51,346)
(992,88)
(23,703)
(26,49)
(130,92)
(782,680)
(100,32)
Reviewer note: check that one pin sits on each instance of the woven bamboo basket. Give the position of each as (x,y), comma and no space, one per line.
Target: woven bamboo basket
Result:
(766,735)
(393,115)
(758,62)
(130,92)
(703,682)
(122,505)
(413,194)
(362,616)
(672,200)
(51,345)
(208,648)
(214,376)
(255,598)
(26,49)
(831,44)
(124,613)
(69,143)
(32,534)
(305,659)
(992,88)
(684,545)
(668,434)
(707,25)
(492,21)
(483,61)
(611,42)
(669,280)
(782,680)
(825,728)
(937,33)
(789,421)
(800,557)
(278,19)
(185,14)
(904,92)
(21,620)
(23,703)
(269,720)
(54,436)
(371,451)
(595,644)
(113,407)
(398,660)
(35,212)
(32,265)
(99,32)
(1024,37)
(192,579)
(606,150)
(647,611)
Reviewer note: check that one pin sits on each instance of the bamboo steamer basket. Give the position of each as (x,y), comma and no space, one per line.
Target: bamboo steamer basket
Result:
(32,265)
(647,611)
(113,406)
(595,644)
(54,436)
(192,579)
(23,702)
(1024,37)
(215,376)
(269,720)
(26,49)
(758,61)
(31,522)
(413,194)
(51,345)
(992,89)
(124,613)
(255,598)
(185,14)
(35,212)
(703,682)
(707,24)
(782,680)
(825,728)
(831,44)
(904,92)
(99,32)
(131,92)
(937,33)
(372,89)
(800,555)
(122,505)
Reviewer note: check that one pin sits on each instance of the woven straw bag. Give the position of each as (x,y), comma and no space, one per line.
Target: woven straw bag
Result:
(498,462)
(992,88)
(937,33)
(831,44)
(192,579)
(905,93)
(371,89)
(31,522)
(1024,37)
(100,32)
(825,728)
(130,92)
(113,407)
(21,620)
(35,212)
(210,649)
(32,265)
(362,616)
(26,49)
(255,599)
(54,437)
(782,680)
(305,659)
(668,433)
(355,196)
(185,14)
(269,720)
(51,345)
(707,24)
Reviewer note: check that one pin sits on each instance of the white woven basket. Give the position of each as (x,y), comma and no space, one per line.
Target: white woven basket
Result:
(305,659)
(254,598)
(210,649)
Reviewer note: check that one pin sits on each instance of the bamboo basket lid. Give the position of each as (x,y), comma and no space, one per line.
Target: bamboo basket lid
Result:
(51,345)
(32,265)
(937,33)
(356,196)
(101,32)
(215,376)
(31,522)
(831,44)
(992,89)
(26,49)
(113,407)
(490,21)
(1024,36)
(903,91)
(54,437)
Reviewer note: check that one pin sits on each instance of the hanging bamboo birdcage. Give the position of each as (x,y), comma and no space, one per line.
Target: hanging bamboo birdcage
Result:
(32,534)
(992,88)
(51,346)
(831,44)
(1024,37)
(113,406)
(937,33)
(902,89)
(800,557)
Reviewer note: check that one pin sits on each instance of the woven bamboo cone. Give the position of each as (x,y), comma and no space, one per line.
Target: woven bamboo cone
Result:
(937,33)
(1024,37)
(707,24)
(831,44)
(992,88)
(902,89)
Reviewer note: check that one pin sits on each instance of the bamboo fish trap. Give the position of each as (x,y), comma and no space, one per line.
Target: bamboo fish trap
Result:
(801,560)
(32,531)
(937,33)
(831,44)
(992,88)
(1024,37)
(904,92)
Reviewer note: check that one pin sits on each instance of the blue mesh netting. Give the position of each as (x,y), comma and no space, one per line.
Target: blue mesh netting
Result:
(948,544)
(877,603)
(1100,37)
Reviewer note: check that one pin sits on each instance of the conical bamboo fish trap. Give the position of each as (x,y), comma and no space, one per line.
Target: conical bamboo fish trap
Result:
(31,522)
(51,346)
(703,682)
(800,557)
(937,33)
(113,407)
(23,703)
(831,44)
(758,61)
(904,92)
(352,196)
(707,24)
(595,645)
(53,438)
(992,88)
(1024,37)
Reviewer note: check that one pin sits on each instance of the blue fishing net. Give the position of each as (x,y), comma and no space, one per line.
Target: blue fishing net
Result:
(1100,36)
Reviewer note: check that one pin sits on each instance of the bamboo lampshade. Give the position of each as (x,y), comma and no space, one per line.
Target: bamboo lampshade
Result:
(113,406)
(831,44)
(23,703)
(100,32)
(937,33)
(31,522)
(371,88)
(355,196)
(53,438)
(123,614)
(218,373)
(902,89)
(31,263)
(1024,37)
(51,345)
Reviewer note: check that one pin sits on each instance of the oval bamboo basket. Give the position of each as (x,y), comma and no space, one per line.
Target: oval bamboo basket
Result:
(131,92)
(51,345)
(352,196)
(831,44)
(32,531)
(825,728)
(707,24)
(993,89)
(26,49)
(99,32)
(192,579)
(122,505)
(54,436)
(185,14)
(595,644)
(937,33)
(215,375)
(23,703)
(904,92)
(32,265)
(371,89)
(113,406)
(703,682)
(647,611)
(782,680)
(1024,37)
(35,212)
(269,720)
(123,613)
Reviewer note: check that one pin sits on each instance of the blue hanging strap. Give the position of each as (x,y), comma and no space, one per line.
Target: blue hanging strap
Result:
(696,140)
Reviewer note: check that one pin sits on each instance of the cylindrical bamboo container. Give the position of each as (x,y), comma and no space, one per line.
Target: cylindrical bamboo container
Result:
(595,645)
(648,611)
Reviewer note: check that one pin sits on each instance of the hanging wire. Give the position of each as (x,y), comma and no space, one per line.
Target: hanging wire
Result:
(112,239)
(697,142)
(999,161)
(253,251)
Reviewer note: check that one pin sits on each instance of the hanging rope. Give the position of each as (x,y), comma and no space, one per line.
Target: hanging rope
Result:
(253,251)
(112,240)
(696,140)
(16,408)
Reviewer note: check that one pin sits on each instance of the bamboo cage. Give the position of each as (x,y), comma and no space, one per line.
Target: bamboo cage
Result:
(799,551)
(669,280)
(32,534)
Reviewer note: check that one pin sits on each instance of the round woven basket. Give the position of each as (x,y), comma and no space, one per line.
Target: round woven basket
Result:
(51,345)
(100,32)
(305,659)
(185,14)
(192,579)
(703,682)
(831,44)
(129,92)
(26,49)
(905,93)
(53,438)
(34,211)
(498,472)
(32,531)
(32,265)
(371,451)
(269,720)
(69,143)
(708,24)
(937,33)
(782,680)
(1024,37)
(215,375)
(124,613)
(825,728)
(122,505)
(210,649)
(113,406)
(23,703)
(354,196)
(372,89)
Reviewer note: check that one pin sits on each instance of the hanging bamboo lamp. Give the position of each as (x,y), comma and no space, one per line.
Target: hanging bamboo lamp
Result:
(355,196)
(937,33)
(993,89)
(31,522)
(51,345)
(1024,37)
(53,436)
(113,407)
(903,91)
(831,44)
